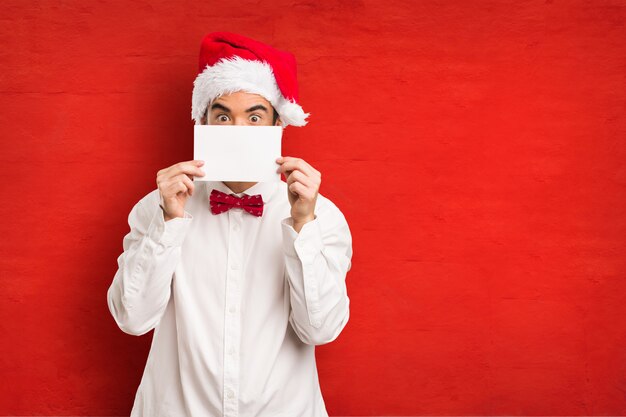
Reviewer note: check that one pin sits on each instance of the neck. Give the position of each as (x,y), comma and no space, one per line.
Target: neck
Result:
(239,187)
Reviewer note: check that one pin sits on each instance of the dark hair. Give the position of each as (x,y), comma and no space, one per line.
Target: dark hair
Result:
(275,115)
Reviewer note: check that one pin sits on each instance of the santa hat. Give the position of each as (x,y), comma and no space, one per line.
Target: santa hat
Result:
(230,62)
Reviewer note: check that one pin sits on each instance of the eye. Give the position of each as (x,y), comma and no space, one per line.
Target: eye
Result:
(222,118)
(255,118)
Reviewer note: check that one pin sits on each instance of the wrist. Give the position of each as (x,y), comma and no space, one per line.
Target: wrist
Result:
(166,216)
(299,223)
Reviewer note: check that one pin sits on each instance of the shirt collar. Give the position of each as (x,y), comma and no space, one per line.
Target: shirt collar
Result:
(267,189)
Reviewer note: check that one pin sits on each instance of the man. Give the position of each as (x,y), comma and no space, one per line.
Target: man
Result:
(240,281)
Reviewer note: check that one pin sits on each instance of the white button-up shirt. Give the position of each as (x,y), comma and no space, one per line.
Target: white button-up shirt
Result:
(237,303)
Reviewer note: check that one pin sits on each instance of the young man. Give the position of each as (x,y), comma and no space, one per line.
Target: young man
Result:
(240,281)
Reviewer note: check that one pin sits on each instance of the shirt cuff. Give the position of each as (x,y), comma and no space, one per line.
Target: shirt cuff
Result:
(304,245)
(171,232)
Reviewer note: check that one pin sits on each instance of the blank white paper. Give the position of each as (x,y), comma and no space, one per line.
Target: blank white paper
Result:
(238,153)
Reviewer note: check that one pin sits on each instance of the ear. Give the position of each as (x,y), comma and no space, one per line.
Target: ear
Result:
(278,122)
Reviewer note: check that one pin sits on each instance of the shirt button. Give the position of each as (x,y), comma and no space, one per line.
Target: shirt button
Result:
(236,227)
(234,266)
(229,394)
(231,351)
(232,310)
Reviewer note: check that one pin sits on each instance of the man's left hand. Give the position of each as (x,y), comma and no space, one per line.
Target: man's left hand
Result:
(303,184)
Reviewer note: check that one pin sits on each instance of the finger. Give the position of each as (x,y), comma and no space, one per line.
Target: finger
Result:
(299,189)
(300,166)
(285,159)
(300,177)
(167,176)
(181,177)
(312,182)
(187,167)
(289,164)
(294,163)
(174,188)
(197,162)
(193,162)
(187,181)
(305,191)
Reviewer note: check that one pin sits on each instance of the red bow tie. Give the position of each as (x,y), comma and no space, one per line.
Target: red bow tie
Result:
(221,202)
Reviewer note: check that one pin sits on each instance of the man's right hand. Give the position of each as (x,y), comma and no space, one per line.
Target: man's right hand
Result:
(176,185)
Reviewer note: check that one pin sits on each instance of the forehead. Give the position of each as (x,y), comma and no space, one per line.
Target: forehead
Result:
(241,98)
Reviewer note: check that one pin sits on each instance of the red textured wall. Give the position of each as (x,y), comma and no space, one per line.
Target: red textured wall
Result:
(477,150)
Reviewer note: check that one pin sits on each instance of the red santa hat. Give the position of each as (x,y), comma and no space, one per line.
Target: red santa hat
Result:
(230,62)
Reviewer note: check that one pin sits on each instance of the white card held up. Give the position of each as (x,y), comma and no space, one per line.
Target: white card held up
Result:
(238,153)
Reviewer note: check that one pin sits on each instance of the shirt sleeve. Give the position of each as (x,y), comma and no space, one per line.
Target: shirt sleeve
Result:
(140,290)
(316,263)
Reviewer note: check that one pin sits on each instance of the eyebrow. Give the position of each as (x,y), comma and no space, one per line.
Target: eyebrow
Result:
(219,106)
(251,109)
(257,107)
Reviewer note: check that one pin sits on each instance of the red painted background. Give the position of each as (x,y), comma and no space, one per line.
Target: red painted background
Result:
(477,150)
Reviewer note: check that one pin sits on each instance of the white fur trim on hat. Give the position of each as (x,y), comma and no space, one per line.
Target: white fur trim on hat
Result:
(229,75)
